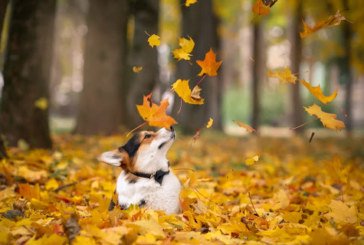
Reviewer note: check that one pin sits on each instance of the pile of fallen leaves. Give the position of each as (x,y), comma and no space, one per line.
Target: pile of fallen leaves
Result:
(294,193)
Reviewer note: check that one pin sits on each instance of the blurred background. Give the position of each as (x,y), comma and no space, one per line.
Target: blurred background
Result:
(66,65)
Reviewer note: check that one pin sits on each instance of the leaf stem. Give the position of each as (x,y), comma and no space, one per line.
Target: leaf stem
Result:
(202,78)
(133,130)
(303,124)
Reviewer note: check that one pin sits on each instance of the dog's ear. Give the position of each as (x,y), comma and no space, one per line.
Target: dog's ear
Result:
(115,158)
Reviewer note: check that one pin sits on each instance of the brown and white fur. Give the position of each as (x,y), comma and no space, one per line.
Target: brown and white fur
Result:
(145,154)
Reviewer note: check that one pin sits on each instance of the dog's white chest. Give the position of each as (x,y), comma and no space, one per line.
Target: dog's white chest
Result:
(155,196)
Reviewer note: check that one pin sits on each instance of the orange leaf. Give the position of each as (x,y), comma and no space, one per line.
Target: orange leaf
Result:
(209,65)
(245,126)
(333,20)
(155,115)
(29,191)
(327,119)
(260,8)
(317,92)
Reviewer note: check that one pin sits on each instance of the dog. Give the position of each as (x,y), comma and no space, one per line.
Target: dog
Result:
(146,178)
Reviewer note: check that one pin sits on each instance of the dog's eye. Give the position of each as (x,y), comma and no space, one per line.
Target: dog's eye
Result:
(147,136)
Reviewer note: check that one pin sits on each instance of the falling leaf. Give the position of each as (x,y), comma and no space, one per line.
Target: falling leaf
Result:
(154,40)
(333,20)
(251,160)
(245,126)
(209,65)
(209,123)
(284,75)
(155,115)
(137,69)
(182,88)
(190,2)
(186,47)
(41,103)
(328,120)
(195,94)
(260,8)
(317,92)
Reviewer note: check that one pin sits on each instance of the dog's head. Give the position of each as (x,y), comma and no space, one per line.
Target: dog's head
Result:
(144,152)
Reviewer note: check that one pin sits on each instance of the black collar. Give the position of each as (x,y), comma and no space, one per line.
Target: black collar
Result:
(158,176)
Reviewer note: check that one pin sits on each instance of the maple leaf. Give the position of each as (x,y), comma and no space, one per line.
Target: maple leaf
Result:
(209,65)
(284,75)
(328,120)
(341,213)
(260,8)
(154,40)
(317,92)
(245,126)
(209,123)
(137,69)
(186,47)
(333,20)
(155,115)
(190,2)
(183,90)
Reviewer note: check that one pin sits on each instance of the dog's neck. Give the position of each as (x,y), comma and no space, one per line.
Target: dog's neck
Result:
(153,166)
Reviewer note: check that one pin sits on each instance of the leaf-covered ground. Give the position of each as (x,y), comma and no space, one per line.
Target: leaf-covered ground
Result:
(296,193)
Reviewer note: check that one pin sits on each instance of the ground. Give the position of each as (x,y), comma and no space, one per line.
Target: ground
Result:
(295,193)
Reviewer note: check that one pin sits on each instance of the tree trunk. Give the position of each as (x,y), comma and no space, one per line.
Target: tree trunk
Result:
(27,72)
(257,38)
(3,5)
(346,76)
(296,56)
(200,23)
(101,108)
(146,21)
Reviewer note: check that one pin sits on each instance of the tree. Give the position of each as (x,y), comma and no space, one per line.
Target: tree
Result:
(200,23)
(3,5)
(346,76)
(146,21)
(257,39)
(103,98)
(295,57)
(27,72)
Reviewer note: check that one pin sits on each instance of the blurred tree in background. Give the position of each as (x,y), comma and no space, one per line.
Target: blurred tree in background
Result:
(27,73)
(102,101)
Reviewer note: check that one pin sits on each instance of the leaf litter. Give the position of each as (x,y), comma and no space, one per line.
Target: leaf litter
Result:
(297,193)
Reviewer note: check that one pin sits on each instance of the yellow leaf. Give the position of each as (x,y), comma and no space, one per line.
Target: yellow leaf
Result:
(328,120)
(45,240)
(245,126)
(41,103)
(341,213)
(317,92)
(154,40)
(190,2)
(250,161)
(51,184)
(83,240)
(186,47)
(209,65)
(209,123)
(284,75)
(333,20)
(137,69)
(182,89)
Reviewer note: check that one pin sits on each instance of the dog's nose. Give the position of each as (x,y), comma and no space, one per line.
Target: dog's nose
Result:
(172,128)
